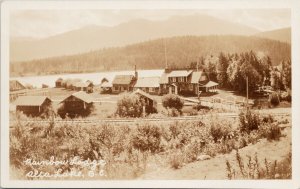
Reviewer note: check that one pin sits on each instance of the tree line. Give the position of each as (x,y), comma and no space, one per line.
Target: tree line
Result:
(180,52)
(232,70)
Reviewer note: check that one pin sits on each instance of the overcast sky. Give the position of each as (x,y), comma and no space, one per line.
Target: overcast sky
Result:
(44,23)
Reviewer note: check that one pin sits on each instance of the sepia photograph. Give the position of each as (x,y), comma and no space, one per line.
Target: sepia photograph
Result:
(141,94)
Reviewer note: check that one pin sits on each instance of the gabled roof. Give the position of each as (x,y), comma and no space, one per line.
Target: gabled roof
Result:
(147,82)
(103,79)
(30,100)
(180,73)
(106,84)
(59,79)
(140,92)
(211,84)
(82,84)
(81,95)
(12,83)
(164,79)
(123,79)
(196,76)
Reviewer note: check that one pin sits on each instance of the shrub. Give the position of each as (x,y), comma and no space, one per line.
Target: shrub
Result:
(286,96)
(198,107)
(268,119)
(175,129)
(249,121)
(176,160)
(147,138)
(129,106)
(253,169)
(274,99)
(271,131)
(219,130)
(174,112)
(172,101)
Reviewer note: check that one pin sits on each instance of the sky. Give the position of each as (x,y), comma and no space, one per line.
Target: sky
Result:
(45,23)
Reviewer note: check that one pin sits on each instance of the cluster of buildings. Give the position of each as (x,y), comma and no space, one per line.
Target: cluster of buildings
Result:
(75,84)
(183,82)
(189,82)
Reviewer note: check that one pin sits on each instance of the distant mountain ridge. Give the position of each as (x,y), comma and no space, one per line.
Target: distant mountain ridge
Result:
(97,37)
(283,35)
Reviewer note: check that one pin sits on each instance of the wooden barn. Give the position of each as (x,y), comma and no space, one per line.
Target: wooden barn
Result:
(15,85)
(76,104)
(32,105)
(59,83)
(150,104)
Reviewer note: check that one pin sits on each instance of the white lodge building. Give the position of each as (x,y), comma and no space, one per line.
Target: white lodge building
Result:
(186,82)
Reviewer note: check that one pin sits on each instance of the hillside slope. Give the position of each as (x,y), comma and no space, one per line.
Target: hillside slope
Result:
(96,37)
(180,52)
(283,35)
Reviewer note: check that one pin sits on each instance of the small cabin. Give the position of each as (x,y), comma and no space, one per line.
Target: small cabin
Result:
(32,105)
(123,83)
(149,103)
(81,86)
(76,104)
(59,82)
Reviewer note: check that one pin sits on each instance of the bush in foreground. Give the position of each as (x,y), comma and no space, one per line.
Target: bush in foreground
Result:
(253,169)
(172,101)
(249,121)
(274,99)
(129,106)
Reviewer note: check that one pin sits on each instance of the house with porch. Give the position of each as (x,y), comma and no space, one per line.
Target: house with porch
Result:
(186,82)
(77,104)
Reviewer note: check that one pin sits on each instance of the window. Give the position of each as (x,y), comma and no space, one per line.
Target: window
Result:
(152,89)
(191,87)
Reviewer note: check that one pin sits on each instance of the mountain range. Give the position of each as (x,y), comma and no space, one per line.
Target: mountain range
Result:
(97,37)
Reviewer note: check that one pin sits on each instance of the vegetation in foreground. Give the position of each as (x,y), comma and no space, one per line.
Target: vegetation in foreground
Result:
(251,168)
(131,150)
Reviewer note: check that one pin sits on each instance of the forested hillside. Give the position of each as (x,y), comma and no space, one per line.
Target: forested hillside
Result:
(180,52)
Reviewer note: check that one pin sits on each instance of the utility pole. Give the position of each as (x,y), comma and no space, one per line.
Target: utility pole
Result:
(166,60)
(198,92)
(247,90)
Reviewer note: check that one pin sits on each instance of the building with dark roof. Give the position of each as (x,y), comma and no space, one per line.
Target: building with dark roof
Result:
(32,105)
(76,104)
